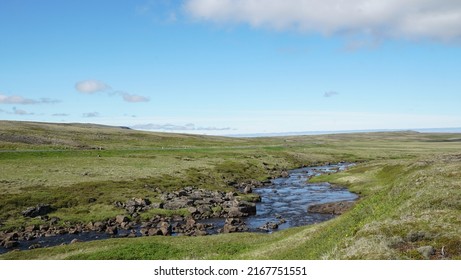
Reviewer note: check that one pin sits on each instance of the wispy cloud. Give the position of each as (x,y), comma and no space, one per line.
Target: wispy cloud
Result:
(173,127)
(49,101)
(412,19)
(96,86)
(16,99)
(17,111)
(132,98)
(60,115)
(21,112)
(329,94)
(91,115)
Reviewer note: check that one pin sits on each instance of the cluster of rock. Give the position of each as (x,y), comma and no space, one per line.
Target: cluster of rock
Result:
(234,225)
(137,205)
(11,239)
(270,226)
(176,225)
(201,204)
(51,229)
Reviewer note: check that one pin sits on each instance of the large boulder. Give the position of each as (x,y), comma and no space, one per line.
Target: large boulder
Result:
(248,189)
(39,210)
(99,226)
(178,203)
(246,207)
(426,251)
(165,228)
(234,225)
(112,230)
(121,219)
(269,226)
(136,205)
(234,212)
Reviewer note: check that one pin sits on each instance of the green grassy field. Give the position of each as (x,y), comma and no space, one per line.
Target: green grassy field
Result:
(409,183)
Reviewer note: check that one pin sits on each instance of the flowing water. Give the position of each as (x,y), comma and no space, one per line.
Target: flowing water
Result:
(289,198)
(284,198)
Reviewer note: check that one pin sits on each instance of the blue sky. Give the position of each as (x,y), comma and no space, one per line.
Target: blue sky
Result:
(232,66)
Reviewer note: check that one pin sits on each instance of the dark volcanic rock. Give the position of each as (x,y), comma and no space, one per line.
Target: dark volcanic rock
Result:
(269,226)
(39,210)
(121,219)
(178,204)
(234,225)
(136,205)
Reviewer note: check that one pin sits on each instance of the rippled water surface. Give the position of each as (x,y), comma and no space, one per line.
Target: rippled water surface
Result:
(290,197)
(284,198)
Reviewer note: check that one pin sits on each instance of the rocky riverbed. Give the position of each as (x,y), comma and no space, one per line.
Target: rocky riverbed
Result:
(284,202)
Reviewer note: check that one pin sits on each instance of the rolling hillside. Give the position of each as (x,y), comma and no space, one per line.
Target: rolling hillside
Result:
(409,183)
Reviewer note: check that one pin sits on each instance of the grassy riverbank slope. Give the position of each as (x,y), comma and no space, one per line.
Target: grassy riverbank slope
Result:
(410,187)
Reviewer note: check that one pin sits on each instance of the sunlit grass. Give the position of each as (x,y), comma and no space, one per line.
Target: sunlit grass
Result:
(408,182)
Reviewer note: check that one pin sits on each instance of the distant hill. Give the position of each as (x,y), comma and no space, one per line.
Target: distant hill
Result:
(39,135)
(298,133)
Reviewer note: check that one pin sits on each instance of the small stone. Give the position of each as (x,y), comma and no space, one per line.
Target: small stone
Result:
(154,231)
(35,246)
(248,190)
(192,210)
(54,221)
(112,230)
(121,219)
(30,228)
(11,244)
(426,251)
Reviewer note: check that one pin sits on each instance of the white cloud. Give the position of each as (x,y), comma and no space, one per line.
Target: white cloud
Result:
(173,127)
(94,86)
(48,101)
(133,98)
(21,112)
(91,115)
(409,19)
(16,99)
(91,86)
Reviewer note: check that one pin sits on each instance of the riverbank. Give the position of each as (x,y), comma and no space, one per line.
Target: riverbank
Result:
(277,204)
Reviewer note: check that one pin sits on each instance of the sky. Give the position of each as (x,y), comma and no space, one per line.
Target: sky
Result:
(224,67)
